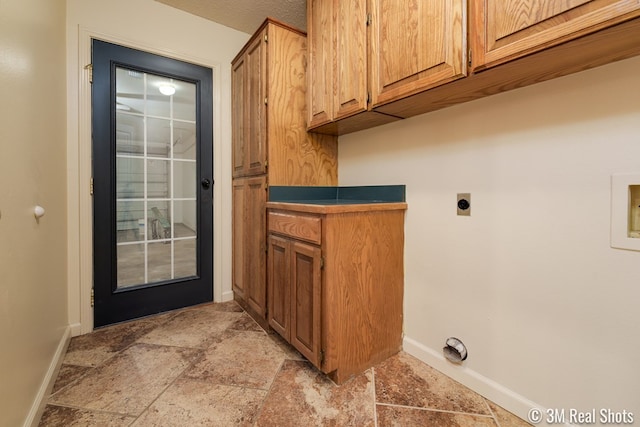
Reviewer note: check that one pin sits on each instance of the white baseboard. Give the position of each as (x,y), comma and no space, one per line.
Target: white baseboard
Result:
(76,329)
(227,296)
(37,408)
(497,393)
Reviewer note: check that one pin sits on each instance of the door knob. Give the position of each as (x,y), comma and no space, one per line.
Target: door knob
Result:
(206,183)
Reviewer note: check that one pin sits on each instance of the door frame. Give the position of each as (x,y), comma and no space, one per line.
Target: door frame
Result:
(80,203)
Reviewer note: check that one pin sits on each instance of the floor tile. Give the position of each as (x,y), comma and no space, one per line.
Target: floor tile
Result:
(506,418)
(130,381)
(192,328)
(394,416)
(303,396)
(67,375)
(240,358)
(200,403)
(57,416)
(213,365)
(404,380)
(95,348)
(231,306)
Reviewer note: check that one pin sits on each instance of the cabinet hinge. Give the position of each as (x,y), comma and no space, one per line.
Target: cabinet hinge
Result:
(89,67)
(321,357)
(368,21)
(321,263)
(266,38)
(266,101)
(368,98)
(91,187)
(92,297)
(469,57)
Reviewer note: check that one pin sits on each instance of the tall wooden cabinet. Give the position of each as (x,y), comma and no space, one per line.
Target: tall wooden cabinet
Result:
(270,147)
(503,30)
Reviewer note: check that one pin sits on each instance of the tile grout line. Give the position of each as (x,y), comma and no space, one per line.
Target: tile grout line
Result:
(91,410)
(392,405)
(495,417)
(261,407)
(375,400)
(137,417)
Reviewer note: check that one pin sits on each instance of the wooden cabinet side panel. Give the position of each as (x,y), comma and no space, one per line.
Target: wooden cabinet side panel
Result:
(238,226)
(296,157)
(320,68)
(255,245)
(503,30)
(306,300)
(415,46)
(364,289)
(350,29)
(279,285)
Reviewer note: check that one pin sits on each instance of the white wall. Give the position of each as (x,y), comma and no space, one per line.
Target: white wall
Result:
(547,309)
(33,280)
(154,27)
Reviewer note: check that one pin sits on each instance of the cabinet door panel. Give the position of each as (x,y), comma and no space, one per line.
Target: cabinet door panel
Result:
(320,69)
(351,57)
(255,110)
(255,244)
(503,30)
(238,78)
(238,249)
(305,300)
(279,285)
(415,45)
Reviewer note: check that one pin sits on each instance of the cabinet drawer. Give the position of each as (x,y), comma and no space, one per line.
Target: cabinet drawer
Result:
(303,227)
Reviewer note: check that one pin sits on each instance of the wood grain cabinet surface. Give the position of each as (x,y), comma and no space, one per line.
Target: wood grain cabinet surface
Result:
(270,146)
(338,300)
(503,30)
(366,53)
(411,57)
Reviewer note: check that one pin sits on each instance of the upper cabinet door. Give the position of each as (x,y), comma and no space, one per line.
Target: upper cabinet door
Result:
(503,30)
(320,66)
(238,117)
(256,106)
(249,110)
(350,18)
(415,45)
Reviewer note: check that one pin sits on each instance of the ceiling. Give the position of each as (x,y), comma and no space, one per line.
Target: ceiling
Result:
(245,15)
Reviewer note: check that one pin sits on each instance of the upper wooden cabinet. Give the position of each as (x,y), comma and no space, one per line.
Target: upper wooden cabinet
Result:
(248,80)
(412,56)
(503,30)
(415,45)
(366,53)
(349,92)
(320,69)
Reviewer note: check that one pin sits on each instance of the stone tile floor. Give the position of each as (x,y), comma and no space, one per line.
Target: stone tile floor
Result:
(212,365)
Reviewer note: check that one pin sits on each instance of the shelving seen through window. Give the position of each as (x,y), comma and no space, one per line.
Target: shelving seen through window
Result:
(156,178)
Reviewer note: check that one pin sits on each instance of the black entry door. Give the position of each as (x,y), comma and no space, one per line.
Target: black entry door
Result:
(152,183)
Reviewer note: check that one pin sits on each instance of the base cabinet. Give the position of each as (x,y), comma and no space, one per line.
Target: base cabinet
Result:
(335,283)
(294,289)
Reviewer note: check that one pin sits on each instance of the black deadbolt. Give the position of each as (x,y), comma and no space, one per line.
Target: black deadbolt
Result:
(463,204)
(206,184)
